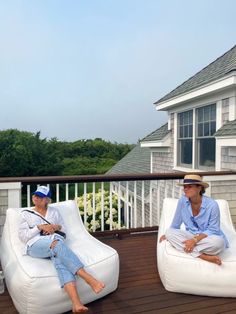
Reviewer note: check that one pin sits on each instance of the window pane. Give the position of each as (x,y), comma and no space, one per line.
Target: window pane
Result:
(181,132)
(190,129)
(207,113)
(185,124)
(213,112)
(186,152)
(186,118)
(191,117)
(206,129)
(212,128)
(186,131)
(207,152)
(200,129)
(200,115)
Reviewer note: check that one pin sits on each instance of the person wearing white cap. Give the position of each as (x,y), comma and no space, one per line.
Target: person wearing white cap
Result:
(200,215)
(46,240)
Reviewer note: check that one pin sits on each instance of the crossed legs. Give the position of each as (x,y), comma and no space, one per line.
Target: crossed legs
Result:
(206,249)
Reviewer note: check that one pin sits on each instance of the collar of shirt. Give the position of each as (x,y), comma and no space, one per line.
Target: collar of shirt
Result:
(202,208)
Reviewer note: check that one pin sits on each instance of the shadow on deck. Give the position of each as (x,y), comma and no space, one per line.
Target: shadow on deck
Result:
(140,289)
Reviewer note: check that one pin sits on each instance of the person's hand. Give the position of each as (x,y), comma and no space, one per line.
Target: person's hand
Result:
(189,245)
(47,229)
(56,227)
(162,238)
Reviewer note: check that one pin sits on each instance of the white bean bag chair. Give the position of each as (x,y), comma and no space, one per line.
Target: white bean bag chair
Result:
(180,272)
(33,283)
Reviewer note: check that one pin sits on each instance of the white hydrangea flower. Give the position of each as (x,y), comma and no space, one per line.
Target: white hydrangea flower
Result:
(110,215)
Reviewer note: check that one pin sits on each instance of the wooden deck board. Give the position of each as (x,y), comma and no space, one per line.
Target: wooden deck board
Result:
(140,289)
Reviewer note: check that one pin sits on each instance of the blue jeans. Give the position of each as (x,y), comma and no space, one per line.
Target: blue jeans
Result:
(64,259)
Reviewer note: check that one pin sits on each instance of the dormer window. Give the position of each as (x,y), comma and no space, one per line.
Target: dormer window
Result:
(196,143)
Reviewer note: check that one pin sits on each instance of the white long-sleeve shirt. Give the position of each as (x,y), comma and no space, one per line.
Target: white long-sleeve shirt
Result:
(28,230)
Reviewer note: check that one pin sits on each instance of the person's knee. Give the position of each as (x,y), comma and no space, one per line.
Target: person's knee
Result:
(216,244)
(57,247)
(169,233)
(54,243)
(220,243)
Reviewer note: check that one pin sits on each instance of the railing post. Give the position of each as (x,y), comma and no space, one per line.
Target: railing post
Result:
(10,196)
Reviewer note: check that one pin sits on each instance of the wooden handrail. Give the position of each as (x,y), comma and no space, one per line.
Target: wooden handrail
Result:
(109,178)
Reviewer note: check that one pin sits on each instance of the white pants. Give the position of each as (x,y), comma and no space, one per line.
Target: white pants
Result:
(211,245)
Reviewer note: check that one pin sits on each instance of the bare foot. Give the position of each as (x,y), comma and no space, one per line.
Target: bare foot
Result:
(95,284)
(162,238)
(211,258)
(79,308)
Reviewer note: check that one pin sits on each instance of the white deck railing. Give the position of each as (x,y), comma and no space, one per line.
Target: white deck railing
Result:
(109,202)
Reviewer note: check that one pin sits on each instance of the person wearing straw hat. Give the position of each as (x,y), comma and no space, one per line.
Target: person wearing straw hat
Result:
(46,240)
(200,215)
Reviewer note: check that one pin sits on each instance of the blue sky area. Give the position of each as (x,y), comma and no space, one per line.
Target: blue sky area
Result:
(79,69)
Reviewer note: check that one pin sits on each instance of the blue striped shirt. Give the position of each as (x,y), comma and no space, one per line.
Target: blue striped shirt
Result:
(207,221)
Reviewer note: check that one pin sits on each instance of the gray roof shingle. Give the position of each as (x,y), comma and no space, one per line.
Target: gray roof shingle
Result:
(228,129)
(157,135)
(215,70)
(136,161)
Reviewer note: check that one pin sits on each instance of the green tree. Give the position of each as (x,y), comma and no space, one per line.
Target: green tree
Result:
(25,154)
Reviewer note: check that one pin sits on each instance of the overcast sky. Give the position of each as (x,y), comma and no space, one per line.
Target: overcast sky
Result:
(80,69)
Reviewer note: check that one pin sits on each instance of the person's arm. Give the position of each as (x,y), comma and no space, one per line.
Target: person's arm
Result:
(191,243)
(26,232)
(177,220)
(213,226)
(57,221)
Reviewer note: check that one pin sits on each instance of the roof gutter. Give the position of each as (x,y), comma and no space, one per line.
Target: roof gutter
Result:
(203,90)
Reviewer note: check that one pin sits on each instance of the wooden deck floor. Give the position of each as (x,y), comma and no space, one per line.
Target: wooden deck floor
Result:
(140,289)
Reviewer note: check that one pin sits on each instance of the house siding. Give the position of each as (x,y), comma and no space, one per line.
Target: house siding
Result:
(225,190)
(225,110)
(178,101)
(228,158)
(164,162)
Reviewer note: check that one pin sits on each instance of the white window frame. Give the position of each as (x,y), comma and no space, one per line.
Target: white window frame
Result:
(194,165)
(210,136)
(183,138)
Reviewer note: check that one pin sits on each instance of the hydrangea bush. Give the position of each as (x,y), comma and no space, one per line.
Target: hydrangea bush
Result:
(95,224)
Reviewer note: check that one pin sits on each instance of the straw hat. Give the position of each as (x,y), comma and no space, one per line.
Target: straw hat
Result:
(193,179)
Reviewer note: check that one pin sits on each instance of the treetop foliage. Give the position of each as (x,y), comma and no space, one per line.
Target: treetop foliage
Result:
(26,154)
